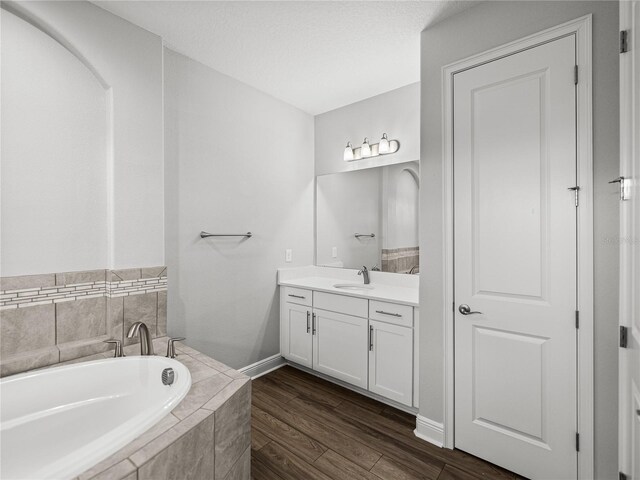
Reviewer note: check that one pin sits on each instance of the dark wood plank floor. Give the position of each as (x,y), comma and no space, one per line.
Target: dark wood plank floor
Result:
(306,428)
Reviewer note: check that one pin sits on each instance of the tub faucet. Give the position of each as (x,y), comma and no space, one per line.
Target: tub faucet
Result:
(365,274)
(146,343)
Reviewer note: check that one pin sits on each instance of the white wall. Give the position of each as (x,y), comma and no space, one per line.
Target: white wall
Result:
(396,113)
(346,204)
(128,60)
(485,26)
(54,156)
(236,160)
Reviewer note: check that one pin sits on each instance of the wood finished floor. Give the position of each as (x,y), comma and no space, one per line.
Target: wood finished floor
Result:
(304,428)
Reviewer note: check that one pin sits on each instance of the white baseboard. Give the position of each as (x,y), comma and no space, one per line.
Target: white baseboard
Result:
(429,431)
(263,367)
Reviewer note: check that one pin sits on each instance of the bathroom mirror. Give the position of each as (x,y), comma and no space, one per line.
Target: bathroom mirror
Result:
(369,217)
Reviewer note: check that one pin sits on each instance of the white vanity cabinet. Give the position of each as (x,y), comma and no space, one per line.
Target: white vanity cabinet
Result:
(370,344)
(391,361)
(338,347)
(296,339)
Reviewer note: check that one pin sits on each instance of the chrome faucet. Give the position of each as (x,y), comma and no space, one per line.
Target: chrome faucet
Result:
(146,342)
(413,269)
(365,273)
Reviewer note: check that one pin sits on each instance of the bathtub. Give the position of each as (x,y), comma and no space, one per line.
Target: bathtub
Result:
(57,423)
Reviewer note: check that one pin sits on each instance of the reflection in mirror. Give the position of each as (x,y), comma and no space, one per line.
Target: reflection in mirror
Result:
(369,217)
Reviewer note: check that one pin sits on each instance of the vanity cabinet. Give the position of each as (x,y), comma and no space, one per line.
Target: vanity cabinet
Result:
(369,344)
(391,361)
(338,347)
(298,342)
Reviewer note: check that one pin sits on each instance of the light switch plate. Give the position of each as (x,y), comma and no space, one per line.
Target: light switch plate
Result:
(288,255)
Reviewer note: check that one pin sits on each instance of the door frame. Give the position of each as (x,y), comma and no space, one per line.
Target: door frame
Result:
(581,28)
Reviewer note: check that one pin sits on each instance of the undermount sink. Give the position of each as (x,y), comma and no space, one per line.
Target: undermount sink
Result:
(353,286)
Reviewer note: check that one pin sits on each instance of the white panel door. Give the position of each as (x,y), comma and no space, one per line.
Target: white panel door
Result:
(630,245)
(391,361)
(299,341)
(340,347)
(515,261)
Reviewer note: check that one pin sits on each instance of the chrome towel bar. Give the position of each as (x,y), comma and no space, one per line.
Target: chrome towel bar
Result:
(205,234)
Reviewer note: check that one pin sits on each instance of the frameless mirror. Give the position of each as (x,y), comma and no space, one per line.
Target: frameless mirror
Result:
(369,217)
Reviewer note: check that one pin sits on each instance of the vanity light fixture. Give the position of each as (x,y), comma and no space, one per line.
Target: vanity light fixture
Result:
(348,152)
(383,146)
(366,150)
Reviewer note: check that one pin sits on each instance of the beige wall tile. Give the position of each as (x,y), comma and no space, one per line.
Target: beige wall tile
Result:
(83,348)
(120,471)
(242,469)
(161,327)
(26,329)
(81,319)
(115,318)
(233,430)
(140,308)
(190,457)
(28,361)
(199,394)
(70,278)
(153,272)
(27,281)
(127,274)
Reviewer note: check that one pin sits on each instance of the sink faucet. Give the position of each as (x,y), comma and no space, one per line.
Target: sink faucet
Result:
(365,273)
(146,343)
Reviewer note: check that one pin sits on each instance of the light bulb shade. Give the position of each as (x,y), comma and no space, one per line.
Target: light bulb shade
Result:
(365,149)
(348,152)
(383,146)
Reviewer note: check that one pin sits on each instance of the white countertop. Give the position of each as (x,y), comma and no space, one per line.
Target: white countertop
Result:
(406,295)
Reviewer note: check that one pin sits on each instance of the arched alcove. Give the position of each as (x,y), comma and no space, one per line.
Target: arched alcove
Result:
(54,155)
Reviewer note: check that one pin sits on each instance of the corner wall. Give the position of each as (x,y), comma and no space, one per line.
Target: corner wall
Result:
(478,29)
(237,160)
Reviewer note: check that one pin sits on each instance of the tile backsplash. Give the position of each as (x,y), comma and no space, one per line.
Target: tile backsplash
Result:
(52,318)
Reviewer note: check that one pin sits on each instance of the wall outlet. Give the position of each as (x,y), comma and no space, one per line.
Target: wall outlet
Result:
(334,252)
(288,255)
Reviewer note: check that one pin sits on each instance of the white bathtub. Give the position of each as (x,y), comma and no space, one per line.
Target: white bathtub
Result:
(57,423)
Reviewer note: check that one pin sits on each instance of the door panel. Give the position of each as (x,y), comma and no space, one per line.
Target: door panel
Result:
(498,405)
(299,342)
(391,361)
(340,347)
(515,261)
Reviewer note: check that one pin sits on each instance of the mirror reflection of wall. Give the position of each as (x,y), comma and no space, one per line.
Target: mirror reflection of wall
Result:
(381,201)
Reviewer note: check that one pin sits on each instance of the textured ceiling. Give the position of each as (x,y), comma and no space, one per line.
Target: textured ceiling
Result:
(315,55)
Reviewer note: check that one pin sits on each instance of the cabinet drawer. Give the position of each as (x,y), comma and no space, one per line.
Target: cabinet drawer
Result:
(391,313)
(297,295)
(358,307)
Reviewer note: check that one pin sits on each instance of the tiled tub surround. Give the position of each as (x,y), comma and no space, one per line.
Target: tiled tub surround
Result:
(400,260)
(52,318)
(207,436)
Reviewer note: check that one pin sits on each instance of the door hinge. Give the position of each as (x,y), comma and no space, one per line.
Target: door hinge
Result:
(624,41)
(577,319)
(623,336)
(575,74)
(575,189)
(622,476)
(577,442)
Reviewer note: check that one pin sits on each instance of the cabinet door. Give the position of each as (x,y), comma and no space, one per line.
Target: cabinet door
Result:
(297,339)
(340,347)
(391,361)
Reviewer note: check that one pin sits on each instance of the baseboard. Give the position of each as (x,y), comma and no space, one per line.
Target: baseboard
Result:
(263,367)
(429,431)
